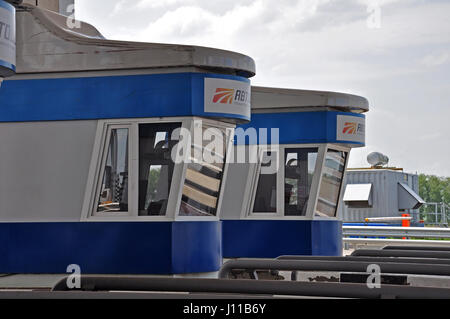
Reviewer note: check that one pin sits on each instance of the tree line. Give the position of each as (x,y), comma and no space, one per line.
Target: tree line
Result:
(434,189)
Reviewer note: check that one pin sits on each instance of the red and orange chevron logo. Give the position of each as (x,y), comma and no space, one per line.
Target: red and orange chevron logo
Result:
(223,96)
(349,128)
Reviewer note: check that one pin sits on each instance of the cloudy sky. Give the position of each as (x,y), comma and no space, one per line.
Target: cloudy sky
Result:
(396,53)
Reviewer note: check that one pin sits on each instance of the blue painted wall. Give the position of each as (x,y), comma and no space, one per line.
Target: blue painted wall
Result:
(273,238)
(111,247)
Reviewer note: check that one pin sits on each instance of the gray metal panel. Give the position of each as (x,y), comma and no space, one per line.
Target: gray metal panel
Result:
(378,190)
(408,198)
(358,194)
(384,193)
(44,168)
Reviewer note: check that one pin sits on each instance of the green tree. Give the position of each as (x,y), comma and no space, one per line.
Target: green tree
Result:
(434,189)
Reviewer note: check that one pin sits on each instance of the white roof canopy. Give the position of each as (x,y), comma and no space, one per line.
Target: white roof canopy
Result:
(46,42)
(358,195)
(266,99)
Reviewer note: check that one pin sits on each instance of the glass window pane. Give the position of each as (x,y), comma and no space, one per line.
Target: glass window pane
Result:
(330,186)
(298,175)
(155,167)
(204,173)
(114,189)
(266,190)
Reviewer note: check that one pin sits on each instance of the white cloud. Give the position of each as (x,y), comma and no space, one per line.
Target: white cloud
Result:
(402,68)
(144,4)
(182,22)
(436,59)
(197,25)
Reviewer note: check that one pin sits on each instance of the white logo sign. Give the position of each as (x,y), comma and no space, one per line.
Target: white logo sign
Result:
(227,96)
(351,128)
(7,33)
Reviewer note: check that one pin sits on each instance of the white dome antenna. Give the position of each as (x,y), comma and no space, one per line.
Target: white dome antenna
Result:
(377,159)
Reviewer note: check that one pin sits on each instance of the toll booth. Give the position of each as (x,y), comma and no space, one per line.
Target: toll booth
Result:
(98,143)
(283,198)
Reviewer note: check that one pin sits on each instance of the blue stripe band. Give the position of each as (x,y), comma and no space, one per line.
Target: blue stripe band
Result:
(131,96)
(298,127)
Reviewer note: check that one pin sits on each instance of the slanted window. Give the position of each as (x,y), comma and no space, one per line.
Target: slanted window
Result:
(204,173)
(300,164)
(332,175)
(155,167)
(113,196)
(266,190)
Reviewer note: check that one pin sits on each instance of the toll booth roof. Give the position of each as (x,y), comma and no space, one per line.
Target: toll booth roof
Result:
(44,37)
(268,100)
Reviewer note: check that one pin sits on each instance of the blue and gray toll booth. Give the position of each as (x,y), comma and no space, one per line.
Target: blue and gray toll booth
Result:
(90,133)
(284,200)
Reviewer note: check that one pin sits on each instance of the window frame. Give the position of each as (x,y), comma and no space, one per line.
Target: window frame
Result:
(171,200)
(98,160)
(247,210)
(255,175)
(101,170)
(333,147)
(321,149)
(229,144)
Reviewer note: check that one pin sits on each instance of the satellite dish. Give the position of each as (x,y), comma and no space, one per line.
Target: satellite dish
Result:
(377,159)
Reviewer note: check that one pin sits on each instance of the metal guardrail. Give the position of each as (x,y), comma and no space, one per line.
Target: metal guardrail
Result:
(371,259)
(380,242)
(390,231)
(430,248)
(402,253)
(361,232)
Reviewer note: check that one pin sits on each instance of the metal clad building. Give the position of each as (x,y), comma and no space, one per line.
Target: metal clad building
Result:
(386,185)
